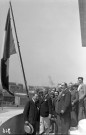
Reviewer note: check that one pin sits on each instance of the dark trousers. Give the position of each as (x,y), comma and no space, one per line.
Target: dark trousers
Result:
(74,115)
(52,127)
(85,106)
(81,113)
(63,124)
(74,119)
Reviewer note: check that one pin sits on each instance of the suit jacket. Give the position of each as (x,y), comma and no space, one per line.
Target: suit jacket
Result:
(74,99)
(46,106)
(31,112)
(63,102)
(74,96)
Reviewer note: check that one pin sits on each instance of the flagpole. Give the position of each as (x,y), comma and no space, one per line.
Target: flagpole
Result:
(19,50)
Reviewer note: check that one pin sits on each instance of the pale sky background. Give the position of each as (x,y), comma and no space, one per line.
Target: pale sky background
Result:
(50,41)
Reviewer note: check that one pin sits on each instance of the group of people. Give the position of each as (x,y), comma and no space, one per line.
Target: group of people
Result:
(59,109)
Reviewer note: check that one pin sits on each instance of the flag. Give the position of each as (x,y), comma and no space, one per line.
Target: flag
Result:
(82,12)
(9,49)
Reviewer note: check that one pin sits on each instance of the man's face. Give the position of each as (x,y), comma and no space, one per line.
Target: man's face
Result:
(56,94)
(63,86)
(80,81)
(45,92)
(41,94)
(59,88)
(35,97)
(51,94)
(70,85)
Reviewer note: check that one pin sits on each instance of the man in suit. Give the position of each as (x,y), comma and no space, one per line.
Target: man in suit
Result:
(31,112)
(82,95)
(62,109)
(74,105)
(45,112)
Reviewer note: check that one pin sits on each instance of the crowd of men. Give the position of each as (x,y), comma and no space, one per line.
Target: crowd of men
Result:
(58,109)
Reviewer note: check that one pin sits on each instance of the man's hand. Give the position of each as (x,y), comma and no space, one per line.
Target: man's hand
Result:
(49,116)
(72,103)
(26,122)
(62,111)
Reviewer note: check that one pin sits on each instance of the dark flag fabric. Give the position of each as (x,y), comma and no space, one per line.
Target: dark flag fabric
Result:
(82,12)
(8,49)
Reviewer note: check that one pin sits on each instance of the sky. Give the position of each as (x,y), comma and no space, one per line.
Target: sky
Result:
(50,41)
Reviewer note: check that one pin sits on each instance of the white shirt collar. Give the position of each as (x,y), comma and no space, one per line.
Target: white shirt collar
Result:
(80,86)
(33,100)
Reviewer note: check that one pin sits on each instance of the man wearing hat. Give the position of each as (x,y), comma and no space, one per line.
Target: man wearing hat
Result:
(31,115)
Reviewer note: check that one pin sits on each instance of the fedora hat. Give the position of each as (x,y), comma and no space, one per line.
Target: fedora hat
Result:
(28,128)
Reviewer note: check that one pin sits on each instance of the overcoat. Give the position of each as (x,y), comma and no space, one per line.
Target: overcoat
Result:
(31,113)
(63,120)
